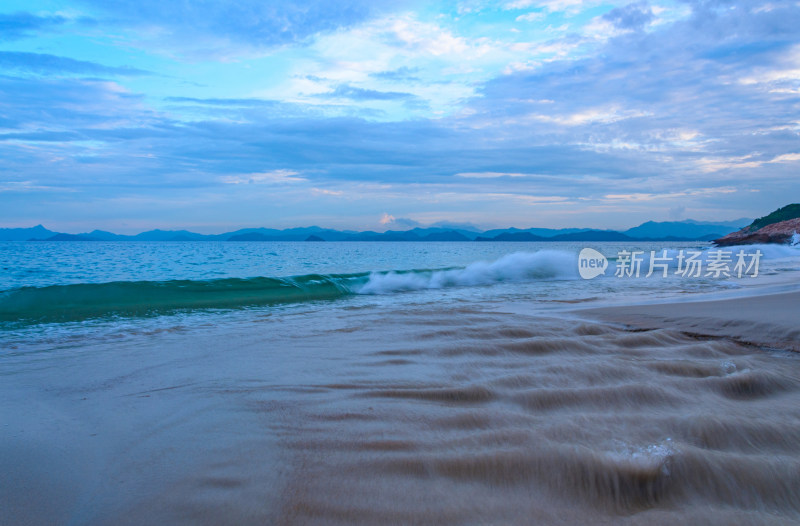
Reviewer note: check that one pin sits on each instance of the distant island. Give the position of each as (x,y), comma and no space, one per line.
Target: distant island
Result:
(687,230)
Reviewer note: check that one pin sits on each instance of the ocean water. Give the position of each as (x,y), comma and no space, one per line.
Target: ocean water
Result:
(58,283)
(380,383)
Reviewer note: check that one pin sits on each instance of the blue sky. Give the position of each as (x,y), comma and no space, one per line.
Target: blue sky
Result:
(213,115)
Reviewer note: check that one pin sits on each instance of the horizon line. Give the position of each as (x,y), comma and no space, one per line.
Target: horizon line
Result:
(453,227)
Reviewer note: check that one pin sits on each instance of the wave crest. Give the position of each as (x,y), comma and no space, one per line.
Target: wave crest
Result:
(519,266)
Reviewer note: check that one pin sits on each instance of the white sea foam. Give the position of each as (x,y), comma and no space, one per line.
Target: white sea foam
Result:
(519,266)
(771,251)
(545,264)
(671,257)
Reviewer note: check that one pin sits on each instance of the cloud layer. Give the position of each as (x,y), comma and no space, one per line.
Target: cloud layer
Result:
(565,114)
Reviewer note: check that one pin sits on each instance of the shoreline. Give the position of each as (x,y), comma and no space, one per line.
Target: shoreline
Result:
(769,320)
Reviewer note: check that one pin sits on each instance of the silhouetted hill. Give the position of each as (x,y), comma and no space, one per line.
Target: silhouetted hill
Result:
(782,214)
(169,235)
(592,235)
(683,229)
(650,231)
(25,234)
(449,235)
(102,235)
(513,236)
(258,236)
(541,232)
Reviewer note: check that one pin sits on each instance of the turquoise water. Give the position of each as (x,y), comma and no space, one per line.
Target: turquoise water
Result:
(63,283)
(40,264)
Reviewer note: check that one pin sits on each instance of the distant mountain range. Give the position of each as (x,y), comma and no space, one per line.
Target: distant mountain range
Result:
(650,231)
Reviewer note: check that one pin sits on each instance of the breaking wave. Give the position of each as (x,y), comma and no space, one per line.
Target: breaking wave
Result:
(519,266)
(75,302)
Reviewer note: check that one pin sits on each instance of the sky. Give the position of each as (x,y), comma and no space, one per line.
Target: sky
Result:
(365,114)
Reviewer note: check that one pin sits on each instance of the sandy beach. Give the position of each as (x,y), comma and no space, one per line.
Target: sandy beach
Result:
(771,320)
(425,414)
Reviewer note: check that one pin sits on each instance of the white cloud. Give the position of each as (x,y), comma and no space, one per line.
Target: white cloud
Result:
(783,77)
(530,17)
(30,186)
(274,176)
(446,67)
(639,197)
(571,7)
(323,191)
(738,162)
(426,38)
(476,175)
(602,115)
(786,158)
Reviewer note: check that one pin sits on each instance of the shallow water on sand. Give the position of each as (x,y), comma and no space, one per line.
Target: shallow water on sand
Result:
(425,414)
(427,384)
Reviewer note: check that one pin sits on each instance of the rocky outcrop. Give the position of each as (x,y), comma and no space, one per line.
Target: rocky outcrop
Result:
(780,232)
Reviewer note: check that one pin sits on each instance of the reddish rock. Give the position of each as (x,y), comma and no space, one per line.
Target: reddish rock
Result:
(774,233)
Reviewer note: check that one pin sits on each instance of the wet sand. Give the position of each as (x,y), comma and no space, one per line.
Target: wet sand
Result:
(416,415)
(768,320)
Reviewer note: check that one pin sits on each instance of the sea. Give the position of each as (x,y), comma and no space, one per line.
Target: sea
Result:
(386,383)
